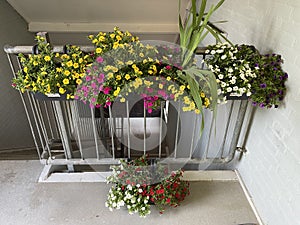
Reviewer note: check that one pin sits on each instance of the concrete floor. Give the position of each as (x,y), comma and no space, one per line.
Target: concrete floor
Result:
(26,202)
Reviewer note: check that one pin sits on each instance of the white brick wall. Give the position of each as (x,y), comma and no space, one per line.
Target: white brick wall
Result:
(271,169)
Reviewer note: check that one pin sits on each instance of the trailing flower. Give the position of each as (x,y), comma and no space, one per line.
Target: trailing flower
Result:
(242,70)
(48,72)
(268,89)
(233,68)
(136,184)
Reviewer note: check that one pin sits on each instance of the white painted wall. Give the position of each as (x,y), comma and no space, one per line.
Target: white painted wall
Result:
(14,128)
(271,169)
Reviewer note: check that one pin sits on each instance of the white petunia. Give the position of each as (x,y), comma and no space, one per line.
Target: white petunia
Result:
(213,52)
(221,76)
(223,57)
(229,89)
(220,51)
(114,205)
(232,81)
(138,185)
(235,88)
(223,84)
(140,190)
(230,70)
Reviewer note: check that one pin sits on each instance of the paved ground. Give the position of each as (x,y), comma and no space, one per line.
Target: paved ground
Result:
(26,202)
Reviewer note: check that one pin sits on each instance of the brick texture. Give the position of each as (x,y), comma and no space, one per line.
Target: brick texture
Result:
(271,168)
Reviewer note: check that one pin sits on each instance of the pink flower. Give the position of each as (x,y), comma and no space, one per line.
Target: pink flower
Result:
(108,104)
(13,84)
(106,90)
(168,67)
(88,78)
(99,59)
(91,106)
(93,85)
(98,106)
(149,110)
(76,97)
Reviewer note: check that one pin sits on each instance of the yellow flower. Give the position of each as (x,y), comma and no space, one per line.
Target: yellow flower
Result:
(98,50)
(34,88)
(129,62)
(61,90)
(186,100)
(197,111)
(101,38)
(58,69)
(75,65)
(70,96)
(202,95)
(118,77)
(47,58)
(145,61)
(121,45)
(114,69)
(127,76)
(25,69)
(67,72)
(161,86)
(147,83)
(80,60)
(69,63)
(168,78)
(118,38)
(66,81)
(192,105)
(95,41)
(78,81)
(112,35)
(116,45)
(43,73)
(141,54)
(116,92)
(58,84)
(35,63)
(110,75)
(122,99)
(150,72)
(182,87)
(91,36)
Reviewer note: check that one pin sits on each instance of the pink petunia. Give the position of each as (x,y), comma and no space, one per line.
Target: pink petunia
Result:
(88,78)
(99,59)
(168,67)
(106,90)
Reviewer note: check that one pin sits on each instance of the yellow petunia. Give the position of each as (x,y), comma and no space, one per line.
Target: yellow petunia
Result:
(66,81)
(161,86)
(118,38)
(182,87)
(129,62)
(118,77)
(80,60)
(202,95)
(110,75)
(168,78)
(122,99)
(141,54)
(115,45)
(197,111)
(78,81)
(112,35)
(127,76)
(25,69)
(47,58)
(62,90)
(116,92)
(35,63)
(69,63)
(58,69)
(101,38)
(75,65)
(67,72)
(98,50)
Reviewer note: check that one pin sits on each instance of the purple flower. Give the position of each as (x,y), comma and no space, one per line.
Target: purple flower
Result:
(261,105)
(99,59)
(254,103)
(263,85)
(88,78)
(286,75)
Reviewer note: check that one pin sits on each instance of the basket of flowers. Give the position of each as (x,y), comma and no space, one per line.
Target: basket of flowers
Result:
(140,183)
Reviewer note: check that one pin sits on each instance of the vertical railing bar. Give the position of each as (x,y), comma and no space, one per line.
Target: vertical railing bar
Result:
(38,124)
(209,137)
(42,122)
(95,133)
(128,129)
(160,127)
(145,130)
(177,130)
(76,125)
(49,122)
(55,121)
(226,129)
(25,107)
(193,136)
(68,107)
(103,125)
(237,129)
(111,131)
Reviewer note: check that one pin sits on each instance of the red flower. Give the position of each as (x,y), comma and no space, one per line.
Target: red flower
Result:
(168,200)
(128,182)
(161,191)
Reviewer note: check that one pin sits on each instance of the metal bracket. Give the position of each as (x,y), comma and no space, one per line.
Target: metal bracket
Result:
(241,150)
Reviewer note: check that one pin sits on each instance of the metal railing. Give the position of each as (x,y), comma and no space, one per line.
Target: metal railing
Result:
(71,133)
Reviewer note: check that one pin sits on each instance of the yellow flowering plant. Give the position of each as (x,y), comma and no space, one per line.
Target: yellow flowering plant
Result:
(48,73)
